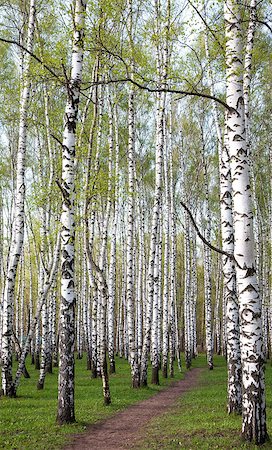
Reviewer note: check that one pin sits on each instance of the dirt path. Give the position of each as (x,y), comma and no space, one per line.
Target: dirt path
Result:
(126,427)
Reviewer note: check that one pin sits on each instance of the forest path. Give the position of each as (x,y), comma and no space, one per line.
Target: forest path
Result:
(125,428)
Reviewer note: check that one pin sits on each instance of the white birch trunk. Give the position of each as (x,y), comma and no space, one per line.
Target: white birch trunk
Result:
(19,220)
(172,266)
(44,344)
(112,264)
(140,280)
(50,279)
(218,296)
(253,396)
(187,293)
(208,277)
(247,75)
(230,325)
(229,289)
(194,293)
(154,237)
(155,357)
(89,227)
(66,413)
(165,320)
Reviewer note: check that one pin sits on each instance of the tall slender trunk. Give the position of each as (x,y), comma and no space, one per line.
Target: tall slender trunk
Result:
(187,293)
(50,279)
(156,319)
(130,244)
(66,412)
(230,326)
(112,264)
(166,222)
(19,219)
(218,298)
(154,237)
(208,275)
(102,285)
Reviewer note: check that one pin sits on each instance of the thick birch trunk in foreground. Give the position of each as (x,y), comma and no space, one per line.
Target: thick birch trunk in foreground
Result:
(230,300)
(65,413)
(19,221)
(253,397)
(229,286)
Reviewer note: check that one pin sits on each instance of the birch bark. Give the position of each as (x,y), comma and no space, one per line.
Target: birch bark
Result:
(253,396)
(208,275)
(19,219)
(65,413)
(165,320)
(50,279)
(230,300)
(112,264)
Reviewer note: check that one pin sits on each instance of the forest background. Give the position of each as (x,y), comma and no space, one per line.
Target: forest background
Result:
(124,179)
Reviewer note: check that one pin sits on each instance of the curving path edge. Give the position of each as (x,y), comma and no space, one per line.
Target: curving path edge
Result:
(124,429)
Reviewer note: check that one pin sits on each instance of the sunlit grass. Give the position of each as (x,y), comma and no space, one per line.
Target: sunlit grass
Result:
(200,419)
(28,421)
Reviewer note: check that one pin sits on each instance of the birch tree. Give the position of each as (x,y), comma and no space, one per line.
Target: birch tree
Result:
(230,300)
(66,413)
(253,397)
(19,217)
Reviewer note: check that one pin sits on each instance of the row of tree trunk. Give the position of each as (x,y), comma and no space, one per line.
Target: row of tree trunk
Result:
(122,265)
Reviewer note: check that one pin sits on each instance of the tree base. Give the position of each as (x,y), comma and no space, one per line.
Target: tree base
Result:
(37,362)
(155,376)
(65,420)
(11,392)
(143,383)
(94,373)
(89,362)
(25,373)
(112,367)
(40,385)
(107,400)
(257,440)
(49,368)
(135,382)
(164,371)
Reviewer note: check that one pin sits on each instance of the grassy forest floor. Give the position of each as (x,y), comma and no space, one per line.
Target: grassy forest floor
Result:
(198,421)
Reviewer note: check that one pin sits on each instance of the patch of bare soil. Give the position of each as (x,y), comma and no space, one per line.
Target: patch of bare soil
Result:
(125,428)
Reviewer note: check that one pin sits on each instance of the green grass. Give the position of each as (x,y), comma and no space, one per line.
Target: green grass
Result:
(200,420)
(28,421)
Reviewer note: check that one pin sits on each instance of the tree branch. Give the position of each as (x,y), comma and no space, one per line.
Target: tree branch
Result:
(10,41)
(206,24)
(212,247)
(163,89)
(265,24)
